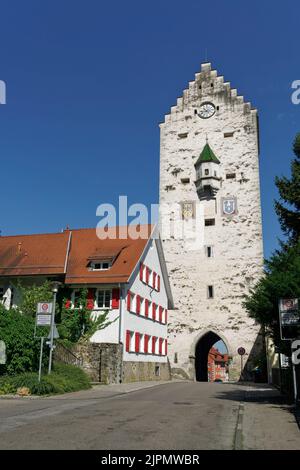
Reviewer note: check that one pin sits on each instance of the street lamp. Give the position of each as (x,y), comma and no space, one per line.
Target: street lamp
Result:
(55,287)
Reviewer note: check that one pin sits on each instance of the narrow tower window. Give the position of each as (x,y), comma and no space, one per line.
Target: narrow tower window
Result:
(210,292)
(209,222)
(209,251)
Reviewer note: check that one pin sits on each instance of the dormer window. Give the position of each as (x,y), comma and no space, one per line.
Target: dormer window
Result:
(100,265)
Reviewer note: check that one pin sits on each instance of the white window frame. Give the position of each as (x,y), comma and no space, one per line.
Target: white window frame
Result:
(142,343)
(73,299)
(150,309)
(132,342)
(150,278)
(142,306)
(155,345)
(100,263)
(164,316)
(96,305)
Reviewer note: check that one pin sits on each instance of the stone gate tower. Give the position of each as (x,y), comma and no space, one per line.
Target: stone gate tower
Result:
(209,171)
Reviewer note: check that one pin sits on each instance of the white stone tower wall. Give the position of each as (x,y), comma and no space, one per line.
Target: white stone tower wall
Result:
(237,240)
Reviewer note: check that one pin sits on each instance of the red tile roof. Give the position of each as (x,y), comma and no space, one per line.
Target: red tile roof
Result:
(23,255)
(47,254)
(85,244)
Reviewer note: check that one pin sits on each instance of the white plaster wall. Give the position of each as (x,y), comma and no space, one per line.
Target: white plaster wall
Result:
(110,334)
(138,323)
(237,240)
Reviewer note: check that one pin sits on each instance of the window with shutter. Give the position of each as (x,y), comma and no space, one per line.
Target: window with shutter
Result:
(154,280)
(90,299)
(128,335)
(115,303)
(146,342)
(129,301)
(153,311)
(137,342)
(138,304)
(161,314)
(154,344)
(160,346)
(146,307)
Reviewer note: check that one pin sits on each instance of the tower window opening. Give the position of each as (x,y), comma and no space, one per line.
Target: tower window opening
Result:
(209,251)
(210,292)
(209,222)
(230,176)
(195,111)
(185,180)
(183,135)
(206,172)
(228,134)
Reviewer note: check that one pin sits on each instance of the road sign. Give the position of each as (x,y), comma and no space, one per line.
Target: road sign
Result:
(44,308)
(55,333)
(241,351)
(43,320)
(289,318)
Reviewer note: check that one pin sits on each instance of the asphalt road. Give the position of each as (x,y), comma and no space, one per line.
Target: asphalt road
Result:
(181,415)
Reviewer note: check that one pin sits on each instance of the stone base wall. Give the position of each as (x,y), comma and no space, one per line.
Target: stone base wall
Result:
(102,362)
(143,371)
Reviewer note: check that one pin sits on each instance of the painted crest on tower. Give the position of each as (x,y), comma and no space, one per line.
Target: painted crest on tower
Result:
(229,206)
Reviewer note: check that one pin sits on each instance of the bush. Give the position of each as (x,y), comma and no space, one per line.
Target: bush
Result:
(22,350)
(64,378)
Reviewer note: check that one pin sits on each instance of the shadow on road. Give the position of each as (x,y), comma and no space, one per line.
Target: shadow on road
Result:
(260,394)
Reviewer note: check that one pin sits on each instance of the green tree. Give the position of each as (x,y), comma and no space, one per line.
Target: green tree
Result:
(282,270)
(281,280)
(78,323)
(288,208)
(22,350)
(31,295)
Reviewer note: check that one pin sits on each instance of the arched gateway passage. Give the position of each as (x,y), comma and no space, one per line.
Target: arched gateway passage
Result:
(205,360)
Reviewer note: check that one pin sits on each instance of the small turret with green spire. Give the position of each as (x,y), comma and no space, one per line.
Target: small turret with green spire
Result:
(207,155)
(207,173)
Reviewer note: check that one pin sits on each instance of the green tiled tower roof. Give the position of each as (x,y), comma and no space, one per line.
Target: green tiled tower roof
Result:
(207,155)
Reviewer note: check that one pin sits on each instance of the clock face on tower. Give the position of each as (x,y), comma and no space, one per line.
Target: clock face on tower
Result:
(207,110)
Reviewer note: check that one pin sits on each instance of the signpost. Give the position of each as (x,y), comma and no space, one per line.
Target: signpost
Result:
(43,318)
(289,318)
(2,352)
(289,321)
(241,351)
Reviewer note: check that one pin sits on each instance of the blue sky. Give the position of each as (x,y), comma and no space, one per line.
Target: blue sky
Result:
(89,81)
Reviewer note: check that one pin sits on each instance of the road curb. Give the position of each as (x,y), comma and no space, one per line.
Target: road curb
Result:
(238,435)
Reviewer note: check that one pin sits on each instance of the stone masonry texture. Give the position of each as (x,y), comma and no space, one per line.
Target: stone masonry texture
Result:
(236,265)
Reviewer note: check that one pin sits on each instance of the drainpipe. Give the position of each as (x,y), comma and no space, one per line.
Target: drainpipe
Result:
(120,327)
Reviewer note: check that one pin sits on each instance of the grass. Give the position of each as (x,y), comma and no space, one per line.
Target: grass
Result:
(64,378)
